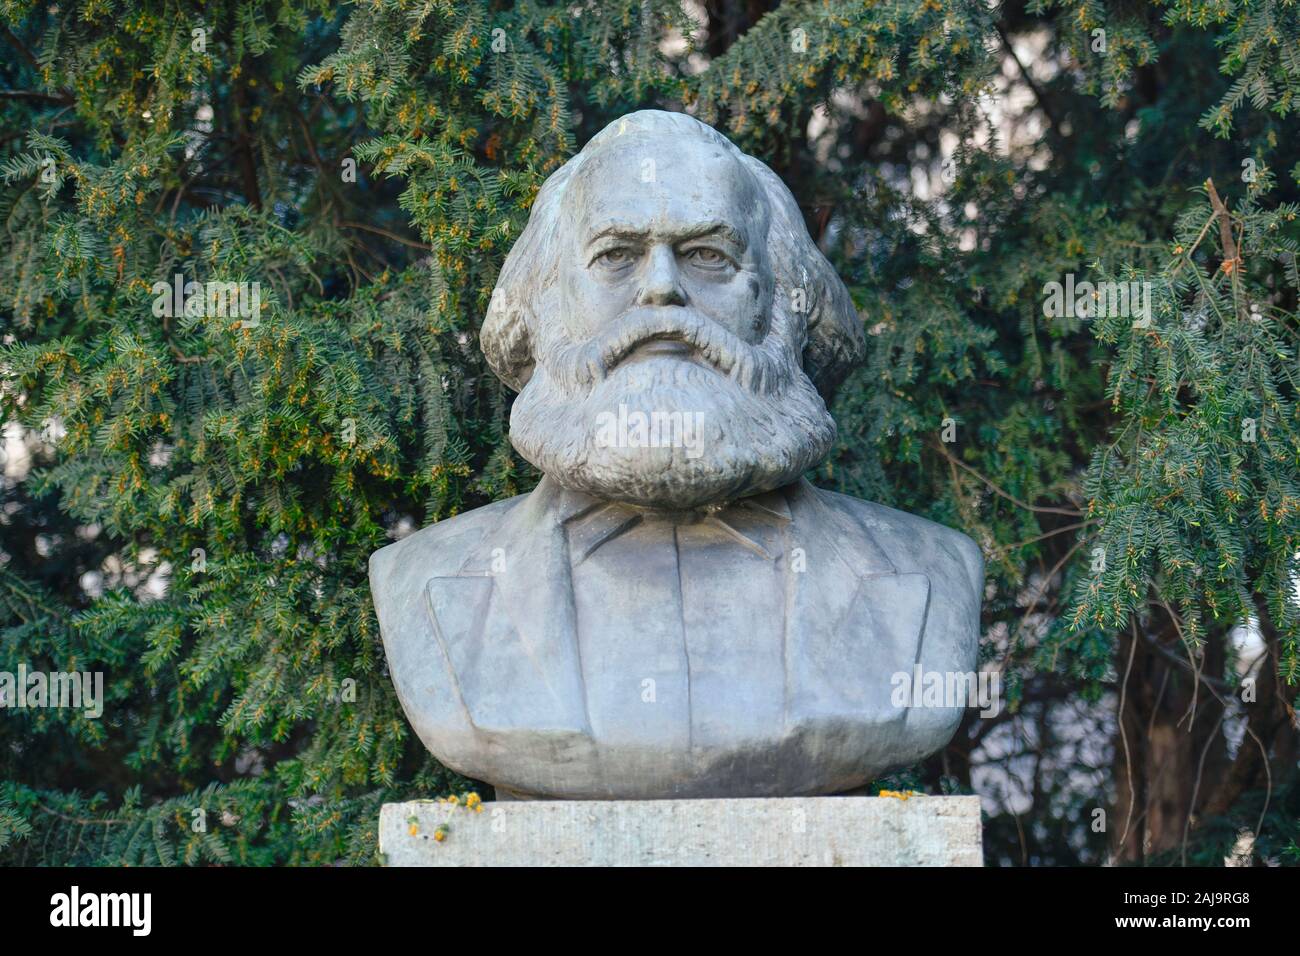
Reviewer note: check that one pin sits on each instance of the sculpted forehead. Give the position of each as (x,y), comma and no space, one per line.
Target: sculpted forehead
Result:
(667,183)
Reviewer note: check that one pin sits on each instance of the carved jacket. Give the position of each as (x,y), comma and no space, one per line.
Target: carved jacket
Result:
(559,646)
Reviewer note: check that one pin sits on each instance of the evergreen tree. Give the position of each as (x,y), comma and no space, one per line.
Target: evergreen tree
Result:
(191,492)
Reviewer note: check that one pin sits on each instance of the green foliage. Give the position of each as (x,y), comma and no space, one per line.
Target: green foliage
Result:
(196,521)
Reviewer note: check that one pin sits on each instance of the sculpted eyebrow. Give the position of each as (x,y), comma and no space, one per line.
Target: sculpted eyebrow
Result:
(722,229)
(618,230)
(626,230)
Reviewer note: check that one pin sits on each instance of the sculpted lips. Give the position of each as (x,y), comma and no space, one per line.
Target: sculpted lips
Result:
(664,345)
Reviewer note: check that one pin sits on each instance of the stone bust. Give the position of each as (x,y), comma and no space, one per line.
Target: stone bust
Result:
(674,611)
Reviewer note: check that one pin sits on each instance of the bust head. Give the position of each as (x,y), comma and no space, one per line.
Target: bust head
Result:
(674,332)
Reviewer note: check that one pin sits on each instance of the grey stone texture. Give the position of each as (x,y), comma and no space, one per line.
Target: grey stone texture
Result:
(674,612)
(800,831)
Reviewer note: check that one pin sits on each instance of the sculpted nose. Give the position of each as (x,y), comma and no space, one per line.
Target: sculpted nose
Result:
(660,284)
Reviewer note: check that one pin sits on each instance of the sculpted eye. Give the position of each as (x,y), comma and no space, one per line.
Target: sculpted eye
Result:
(615,258)
(707,258)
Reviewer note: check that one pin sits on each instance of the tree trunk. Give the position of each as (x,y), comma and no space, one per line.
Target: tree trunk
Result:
(1169,749)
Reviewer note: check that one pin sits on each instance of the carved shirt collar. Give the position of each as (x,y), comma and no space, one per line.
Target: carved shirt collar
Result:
(593,522)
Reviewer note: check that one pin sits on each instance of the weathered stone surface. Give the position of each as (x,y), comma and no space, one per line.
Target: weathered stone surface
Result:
(674,612)
(799,831)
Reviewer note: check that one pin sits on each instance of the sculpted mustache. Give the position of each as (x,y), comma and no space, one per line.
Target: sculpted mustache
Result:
(589,362)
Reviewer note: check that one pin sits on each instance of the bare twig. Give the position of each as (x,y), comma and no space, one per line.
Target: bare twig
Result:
(60,98)
(1123,736)
(1069,512)
(385,233)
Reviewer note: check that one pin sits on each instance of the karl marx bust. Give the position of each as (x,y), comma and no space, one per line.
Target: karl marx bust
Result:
(674,611)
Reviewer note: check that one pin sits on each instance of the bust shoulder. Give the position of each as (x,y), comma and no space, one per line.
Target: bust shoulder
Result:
(440,548)
(914,543)
(399,575)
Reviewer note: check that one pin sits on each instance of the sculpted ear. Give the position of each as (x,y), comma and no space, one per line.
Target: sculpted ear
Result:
(507,344)
(834,341)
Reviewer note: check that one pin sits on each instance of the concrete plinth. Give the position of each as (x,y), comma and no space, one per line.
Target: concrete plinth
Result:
(794,831)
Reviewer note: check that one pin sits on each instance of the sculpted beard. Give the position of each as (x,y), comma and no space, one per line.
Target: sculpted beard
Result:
(761,421)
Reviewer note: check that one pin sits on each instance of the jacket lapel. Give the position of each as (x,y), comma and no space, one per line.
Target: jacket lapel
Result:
(506,622)
(853,620)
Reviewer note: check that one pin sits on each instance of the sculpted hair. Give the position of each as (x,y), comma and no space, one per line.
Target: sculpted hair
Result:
(831,335)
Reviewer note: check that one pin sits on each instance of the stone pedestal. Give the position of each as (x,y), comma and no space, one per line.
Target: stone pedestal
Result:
(793,831)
